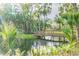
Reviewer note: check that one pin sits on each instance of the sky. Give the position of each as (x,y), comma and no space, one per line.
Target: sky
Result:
(53,13)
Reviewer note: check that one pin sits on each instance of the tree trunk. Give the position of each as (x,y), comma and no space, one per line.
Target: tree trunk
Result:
(78,33)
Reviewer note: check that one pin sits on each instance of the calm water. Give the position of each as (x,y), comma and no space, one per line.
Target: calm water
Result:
(47,42)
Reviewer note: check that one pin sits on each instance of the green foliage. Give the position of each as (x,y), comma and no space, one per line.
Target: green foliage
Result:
(17,52)
(28,21)
(70,14)
(54,51)
(10,39)
(42,51)
(26,36)
(69,47)
(71,18)
(8,34)
(68,34)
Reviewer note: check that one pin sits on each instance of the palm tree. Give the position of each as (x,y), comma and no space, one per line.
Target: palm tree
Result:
(69,14)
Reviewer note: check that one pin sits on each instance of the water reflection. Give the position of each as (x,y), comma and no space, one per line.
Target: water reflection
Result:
(48,41)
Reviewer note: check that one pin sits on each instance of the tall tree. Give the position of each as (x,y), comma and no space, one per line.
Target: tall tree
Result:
(69,14)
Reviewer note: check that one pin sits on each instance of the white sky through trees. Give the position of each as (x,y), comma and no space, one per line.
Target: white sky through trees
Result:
(52,15)
(54,10)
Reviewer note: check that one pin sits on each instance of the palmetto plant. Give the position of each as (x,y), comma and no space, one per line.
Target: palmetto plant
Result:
(12,39)
(8,34)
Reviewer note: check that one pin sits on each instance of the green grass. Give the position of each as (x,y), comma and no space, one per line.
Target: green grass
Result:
(26,36)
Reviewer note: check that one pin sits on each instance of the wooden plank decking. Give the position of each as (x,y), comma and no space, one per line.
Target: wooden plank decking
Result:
(50,33)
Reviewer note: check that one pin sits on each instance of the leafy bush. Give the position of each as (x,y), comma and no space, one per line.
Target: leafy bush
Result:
(12,40)
(17,52)
(54,51)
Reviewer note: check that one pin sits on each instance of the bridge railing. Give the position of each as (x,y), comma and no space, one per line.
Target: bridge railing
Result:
(49,33)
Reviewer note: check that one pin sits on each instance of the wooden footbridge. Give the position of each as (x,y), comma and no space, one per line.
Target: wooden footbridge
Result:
(49,33)
(53,34)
